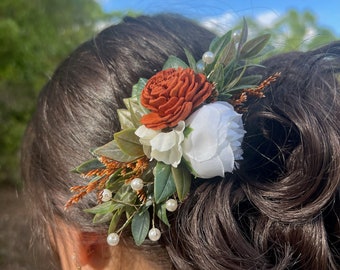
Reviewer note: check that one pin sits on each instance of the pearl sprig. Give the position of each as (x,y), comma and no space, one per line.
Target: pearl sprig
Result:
(137,184)
(154,234)
(112,239)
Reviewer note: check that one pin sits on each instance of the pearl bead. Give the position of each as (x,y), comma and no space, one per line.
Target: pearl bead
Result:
(137,184)
(171,205)
(208,57)
(112,239)
(200,66)
(106,195)
(154,234)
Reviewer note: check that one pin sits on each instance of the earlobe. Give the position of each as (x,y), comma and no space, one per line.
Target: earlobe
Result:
(92,250)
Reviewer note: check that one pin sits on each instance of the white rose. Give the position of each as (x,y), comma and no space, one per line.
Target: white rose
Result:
(214,141)
(162,146)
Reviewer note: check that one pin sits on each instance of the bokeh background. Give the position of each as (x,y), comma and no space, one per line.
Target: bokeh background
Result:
(36,35)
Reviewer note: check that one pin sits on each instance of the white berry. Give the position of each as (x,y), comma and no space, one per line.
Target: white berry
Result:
(106,195)
(154,234)
(171,205)
(113,239)
(137,184)
(208,57)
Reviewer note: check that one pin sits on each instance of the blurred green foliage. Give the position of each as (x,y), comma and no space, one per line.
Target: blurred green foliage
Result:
(292,31)
(36,35)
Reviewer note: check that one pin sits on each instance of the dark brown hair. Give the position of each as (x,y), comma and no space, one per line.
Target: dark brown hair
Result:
(278,210)
(77,109)
(281,208)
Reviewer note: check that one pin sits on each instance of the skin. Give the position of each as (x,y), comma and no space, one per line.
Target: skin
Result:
(89,251)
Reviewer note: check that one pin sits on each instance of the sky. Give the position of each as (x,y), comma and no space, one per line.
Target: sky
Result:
(226,12)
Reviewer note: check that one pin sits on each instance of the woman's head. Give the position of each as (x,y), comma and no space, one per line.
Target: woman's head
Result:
(279,208)
(77,109)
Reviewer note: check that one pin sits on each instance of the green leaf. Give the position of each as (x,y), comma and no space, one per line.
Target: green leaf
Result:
(111,150)
(125,120)
(243,37)
(228,54)
(164,185)
(174,62)
(126,195)
(103,208)
(140,227)
(129,143)
(187,131)
(138,87)
(114,220)
(182,179)
(162,214)
(191,60)
(254,46)
(102,218)
(88,166)
(220,42)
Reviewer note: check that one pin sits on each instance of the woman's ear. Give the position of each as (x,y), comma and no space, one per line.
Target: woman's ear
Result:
(80,250)
(92,250)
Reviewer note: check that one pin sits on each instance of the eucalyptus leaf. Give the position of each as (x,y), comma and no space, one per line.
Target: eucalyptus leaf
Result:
(103,208)
(129,143)
(111,150)
(243,37)
(138,87)
(125,195)
(89,166)
(220,42)
(174,62)
(125,120)
(227,54)
(140,227)
(114,220)
(115,182)
(102,218)
(182,179)
(162,213)
(164,185)
(254,46)
(191,60)
(249,81)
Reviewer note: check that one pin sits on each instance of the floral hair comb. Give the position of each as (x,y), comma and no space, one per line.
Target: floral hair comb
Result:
(180,124)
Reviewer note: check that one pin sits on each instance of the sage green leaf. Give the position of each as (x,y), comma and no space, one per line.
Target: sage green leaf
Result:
(88,166)
(111,150)
(174,62)
(254,46)
(138,87)
(114,220)
(243,37)
(102,218)
(228,54)
(125,120)
(103,208)
(164,185)
(191,60)
(220,42)
(182,179)
(115,182)
(125,195)
(129,143)
(162,214)
(140,227)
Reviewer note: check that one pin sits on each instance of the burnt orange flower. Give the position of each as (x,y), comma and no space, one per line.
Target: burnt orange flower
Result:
(171,95)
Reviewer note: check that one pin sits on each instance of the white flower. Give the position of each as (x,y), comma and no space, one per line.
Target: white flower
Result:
(214,141)
(162,146)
